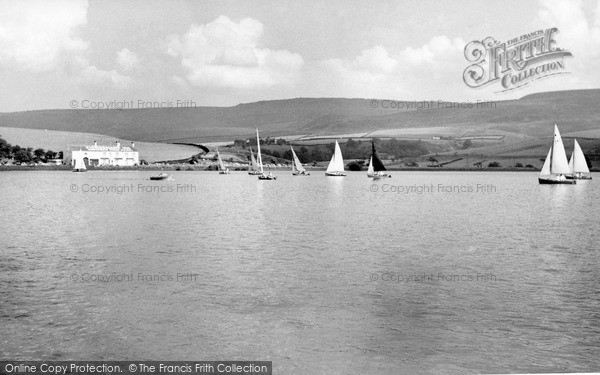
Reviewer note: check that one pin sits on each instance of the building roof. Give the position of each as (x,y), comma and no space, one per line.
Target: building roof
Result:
(103,148)
(108,148)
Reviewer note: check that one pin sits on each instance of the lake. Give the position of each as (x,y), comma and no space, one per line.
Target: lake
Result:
(430,272)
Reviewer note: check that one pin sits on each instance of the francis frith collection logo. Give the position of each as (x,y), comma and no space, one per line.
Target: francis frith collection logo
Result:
(514,63)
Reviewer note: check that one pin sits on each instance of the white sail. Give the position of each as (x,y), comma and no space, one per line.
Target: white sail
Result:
(546,167)
(260,165)
(296,165)
(221,165)
(559,163)
(370,171)
(79,164)
(253,164)
(337,162)
(577,162)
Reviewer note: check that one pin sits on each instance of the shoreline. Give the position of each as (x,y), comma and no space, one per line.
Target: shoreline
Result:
(208,168)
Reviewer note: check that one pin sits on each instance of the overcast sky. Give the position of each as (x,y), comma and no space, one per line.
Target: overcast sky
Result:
(223,53)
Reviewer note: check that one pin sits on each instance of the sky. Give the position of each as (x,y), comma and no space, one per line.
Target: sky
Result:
(58,54)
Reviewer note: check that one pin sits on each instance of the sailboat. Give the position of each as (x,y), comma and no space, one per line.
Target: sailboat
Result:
(370,170)
(336,165)
(376,167)
(263,175)
(79,165)
(297,168)
(556,166)
(222,169)
(578,164)
(253,169)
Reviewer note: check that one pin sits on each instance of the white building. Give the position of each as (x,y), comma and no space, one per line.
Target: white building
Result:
(107,155)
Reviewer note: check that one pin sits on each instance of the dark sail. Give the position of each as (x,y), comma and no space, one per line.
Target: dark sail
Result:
(377,163)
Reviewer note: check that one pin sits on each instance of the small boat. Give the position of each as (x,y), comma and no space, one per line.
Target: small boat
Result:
(556,166)
(222,169)
(370,170)
(79,165)
(161,176)
(336,165)
(253,169)
(578,164)
(262,175)
(376,168)
(297,168)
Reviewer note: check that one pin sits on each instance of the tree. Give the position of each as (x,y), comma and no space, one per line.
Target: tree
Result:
(39,153)
(5,148)
(287,154)
(276,154)
(303,155)
(49,155)
(494,164)
(316,154)
(23,156)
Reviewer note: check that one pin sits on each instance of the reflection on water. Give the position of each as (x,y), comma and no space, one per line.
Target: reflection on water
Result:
(318,274)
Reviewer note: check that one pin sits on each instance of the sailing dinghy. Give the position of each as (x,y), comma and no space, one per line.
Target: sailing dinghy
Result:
(378,169)
(263,175)
(297,168)
(555,166)
(336,165)
(222,169)
(253,170)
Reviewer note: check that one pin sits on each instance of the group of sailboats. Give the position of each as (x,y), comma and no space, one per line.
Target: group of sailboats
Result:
(334,169)
(557,170)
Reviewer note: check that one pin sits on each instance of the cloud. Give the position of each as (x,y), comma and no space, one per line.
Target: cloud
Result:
(578,32)
(127,59)
(433,52)
(37,35)
(377,72)
(226,54)
(91,74)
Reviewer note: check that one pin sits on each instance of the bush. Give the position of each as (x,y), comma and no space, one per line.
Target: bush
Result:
(354,166)
(518,165)
(494,164)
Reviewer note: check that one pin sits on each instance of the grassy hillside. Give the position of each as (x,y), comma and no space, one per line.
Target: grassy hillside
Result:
(59,140)
(520,126)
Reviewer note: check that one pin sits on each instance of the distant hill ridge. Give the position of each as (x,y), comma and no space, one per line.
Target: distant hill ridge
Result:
(574,111)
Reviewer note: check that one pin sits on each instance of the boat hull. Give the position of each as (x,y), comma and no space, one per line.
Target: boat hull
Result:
(335,174)
(79,170)
(544,181)
(377,176)
(162,176)
(300,174)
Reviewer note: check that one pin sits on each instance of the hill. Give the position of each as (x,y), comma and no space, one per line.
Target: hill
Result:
(523,125)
